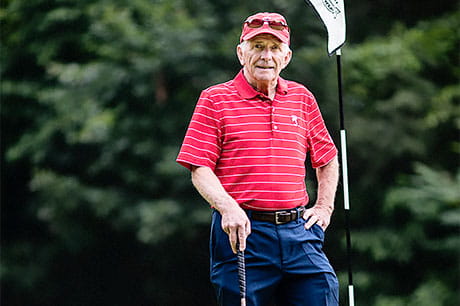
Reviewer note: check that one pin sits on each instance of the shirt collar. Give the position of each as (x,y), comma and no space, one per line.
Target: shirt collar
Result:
(246,91)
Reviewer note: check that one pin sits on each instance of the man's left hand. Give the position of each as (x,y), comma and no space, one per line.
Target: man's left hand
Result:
(317,215)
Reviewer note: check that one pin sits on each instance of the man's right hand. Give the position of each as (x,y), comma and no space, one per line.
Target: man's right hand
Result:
(236,224)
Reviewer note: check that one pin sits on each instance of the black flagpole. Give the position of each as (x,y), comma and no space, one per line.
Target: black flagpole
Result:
(346,201)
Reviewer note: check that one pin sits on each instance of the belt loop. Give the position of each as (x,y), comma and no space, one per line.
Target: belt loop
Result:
(300,211)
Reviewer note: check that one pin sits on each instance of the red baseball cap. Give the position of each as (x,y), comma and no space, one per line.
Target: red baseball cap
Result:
(266,23)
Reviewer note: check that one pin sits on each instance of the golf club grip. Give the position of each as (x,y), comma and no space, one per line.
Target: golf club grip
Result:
(242,275)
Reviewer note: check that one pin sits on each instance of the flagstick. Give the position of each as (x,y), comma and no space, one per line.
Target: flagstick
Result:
(346,200)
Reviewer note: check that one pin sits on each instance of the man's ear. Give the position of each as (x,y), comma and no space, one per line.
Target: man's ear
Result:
(287,59)
(239,53)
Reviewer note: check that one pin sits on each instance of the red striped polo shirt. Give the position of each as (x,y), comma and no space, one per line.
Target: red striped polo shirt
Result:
(257,147)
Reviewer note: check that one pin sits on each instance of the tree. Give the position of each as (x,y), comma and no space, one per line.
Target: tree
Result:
(404,88)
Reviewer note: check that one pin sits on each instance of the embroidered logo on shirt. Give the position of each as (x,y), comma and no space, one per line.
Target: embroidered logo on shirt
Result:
(294,119)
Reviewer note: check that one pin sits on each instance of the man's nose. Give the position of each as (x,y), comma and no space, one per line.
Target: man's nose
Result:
(266,54)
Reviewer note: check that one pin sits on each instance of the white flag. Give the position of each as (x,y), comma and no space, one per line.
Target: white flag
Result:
(332,13)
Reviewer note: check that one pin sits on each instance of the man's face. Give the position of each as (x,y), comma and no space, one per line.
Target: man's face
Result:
(263,58)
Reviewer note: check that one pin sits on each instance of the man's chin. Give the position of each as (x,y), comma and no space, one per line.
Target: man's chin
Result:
(268,75)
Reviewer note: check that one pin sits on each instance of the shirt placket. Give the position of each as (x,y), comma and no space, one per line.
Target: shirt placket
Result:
(274,124)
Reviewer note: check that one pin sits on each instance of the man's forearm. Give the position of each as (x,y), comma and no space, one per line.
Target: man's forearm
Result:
(210,188)
(235,222)
(328,177)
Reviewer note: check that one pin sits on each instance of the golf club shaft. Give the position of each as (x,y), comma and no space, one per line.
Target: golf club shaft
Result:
(241,275)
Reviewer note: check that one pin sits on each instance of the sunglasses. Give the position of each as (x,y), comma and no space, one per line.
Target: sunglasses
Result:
(275,25)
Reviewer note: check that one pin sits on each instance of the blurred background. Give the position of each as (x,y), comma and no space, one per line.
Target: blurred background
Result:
(95,99)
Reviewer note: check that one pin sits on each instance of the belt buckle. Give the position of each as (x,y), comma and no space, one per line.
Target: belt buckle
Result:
(281,213)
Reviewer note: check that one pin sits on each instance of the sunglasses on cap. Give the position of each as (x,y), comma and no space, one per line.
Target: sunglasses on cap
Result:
(275,25)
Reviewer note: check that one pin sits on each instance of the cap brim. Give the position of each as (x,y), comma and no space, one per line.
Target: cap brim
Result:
(278,34)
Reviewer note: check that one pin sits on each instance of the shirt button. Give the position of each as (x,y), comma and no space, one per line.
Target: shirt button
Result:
(275,127)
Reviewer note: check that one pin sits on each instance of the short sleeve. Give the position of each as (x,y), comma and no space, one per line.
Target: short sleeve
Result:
(201,145)
(321,145)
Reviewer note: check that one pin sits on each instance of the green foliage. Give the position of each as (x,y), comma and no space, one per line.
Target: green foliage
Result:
(96,96)
(395,91)
(419,234)
(404,99)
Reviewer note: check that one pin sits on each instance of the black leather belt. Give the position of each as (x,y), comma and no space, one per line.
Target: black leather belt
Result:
(279,216)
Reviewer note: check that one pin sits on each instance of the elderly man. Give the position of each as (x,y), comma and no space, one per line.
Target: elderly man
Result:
(246,147)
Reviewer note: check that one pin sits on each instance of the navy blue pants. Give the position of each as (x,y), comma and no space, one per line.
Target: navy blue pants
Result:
(284,264)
